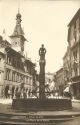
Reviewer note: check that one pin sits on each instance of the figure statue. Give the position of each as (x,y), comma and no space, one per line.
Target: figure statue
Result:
(42,52)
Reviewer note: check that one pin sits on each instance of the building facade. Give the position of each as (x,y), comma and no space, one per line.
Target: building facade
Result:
(49,83)
(59,81)
(48,77)
(16,71)
(67,66)
(74,45)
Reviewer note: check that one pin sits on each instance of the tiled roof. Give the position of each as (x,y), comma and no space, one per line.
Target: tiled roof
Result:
(18,31)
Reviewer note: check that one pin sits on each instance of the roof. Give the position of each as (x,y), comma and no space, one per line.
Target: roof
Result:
(60,70)
(5,43)
(13,52)
(75,17)
(18,31)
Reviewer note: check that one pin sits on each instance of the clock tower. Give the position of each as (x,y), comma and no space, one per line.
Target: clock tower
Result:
(17,38)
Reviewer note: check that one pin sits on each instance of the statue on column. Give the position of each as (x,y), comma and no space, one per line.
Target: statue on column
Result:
(42,52)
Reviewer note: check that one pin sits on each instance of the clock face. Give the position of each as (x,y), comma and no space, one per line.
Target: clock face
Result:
(16,42)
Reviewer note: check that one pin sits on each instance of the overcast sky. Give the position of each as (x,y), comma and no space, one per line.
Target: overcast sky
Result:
(44,22)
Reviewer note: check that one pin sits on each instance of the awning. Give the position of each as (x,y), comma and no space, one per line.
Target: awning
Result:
(66,89)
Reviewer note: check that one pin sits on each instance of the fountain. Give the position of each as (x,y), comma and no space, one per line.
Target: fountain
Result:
(42,103)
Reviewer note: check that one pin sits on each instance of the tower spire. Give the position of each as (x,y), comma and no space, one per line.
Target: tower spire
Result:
(17,38)
(18,6)
(18,10)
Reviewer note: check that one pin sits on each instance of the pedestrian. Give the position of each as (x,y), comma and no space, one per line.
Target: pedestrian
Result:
(9,93)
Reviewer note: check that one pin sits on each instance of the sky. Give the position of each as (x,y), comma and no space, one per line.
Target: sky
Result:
(44,22)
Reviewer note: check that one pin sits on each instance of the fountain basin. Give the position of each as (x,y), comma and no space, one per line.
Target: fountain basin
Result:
(33,104)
